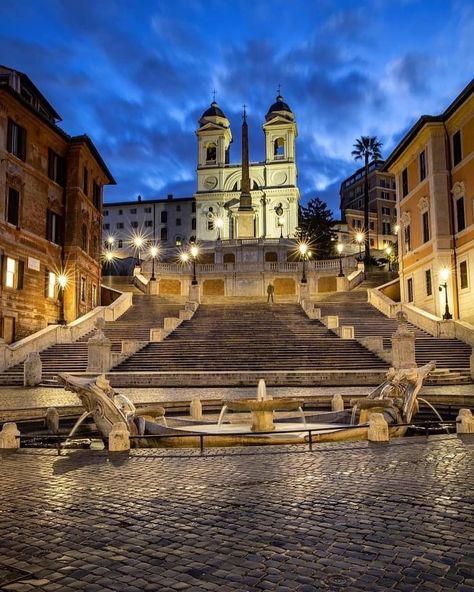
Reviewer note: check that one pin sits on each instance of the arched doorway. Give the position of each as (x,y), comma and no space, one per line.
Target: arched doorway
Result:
(271,257)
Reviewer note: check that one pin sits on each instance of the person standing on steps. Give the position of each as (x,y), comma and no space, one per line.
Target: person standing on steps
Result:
(270,292)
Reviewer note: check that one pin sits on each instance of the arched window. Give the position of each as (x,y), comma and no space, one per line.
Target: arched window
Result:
(211,152)
(178,241)
(279,148)
(84,238)
(271,257)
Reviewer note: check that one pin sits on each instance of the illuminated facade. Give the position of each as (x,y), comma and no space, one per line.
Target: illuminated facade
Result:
(272,209)
(50,213)
(434,170)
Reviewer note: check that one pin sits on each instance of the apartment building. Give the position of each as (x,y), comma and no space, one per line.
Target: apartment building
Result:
(167,223)
(434,171)
(382,204)
(50,213)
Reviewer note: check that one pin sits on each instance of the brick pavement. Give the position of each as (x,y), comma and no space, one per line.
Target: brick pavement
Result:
(350,517)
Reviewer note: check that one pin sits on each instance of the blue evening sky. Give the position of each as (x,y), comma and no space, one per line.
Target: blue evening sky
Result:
(137,74)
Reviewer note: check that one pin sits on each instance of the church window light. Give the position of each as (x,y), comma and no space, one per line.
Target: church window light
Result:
(279,148)
(211,153)
(178,241)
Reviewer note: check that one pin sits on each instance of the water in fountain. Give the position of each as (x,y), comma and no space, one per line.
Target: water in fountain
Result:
(433,409)
(221,415)
(262,394)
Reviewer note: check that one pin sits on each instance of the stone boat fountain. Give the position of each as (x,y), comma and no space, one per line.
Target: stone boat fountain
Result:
(395,399)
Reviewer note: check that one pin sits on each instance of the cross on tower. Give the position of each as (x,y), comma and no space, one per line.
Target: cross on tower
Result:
(214,96)
(279,89)
(245,111)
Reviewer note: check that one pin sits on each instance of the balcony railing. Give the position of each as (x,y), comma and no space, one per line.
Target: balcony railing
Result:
(348,263)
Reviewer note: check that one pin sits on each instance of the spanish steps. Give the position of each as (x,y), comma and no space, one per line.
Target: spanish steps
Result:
(236,336)
(353,309)
(240,335)
(146,313)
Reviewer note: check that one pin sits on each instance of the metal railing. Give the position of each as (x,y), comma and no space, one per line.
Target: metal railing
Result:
(424,426)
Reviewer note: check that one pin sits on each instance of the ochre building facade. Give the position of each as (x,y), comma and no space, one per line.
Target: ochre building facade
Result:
(50,213)
(434,170)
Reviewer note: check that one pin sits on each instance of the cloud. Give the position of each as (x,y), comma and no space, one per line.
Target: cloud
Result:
(136,76)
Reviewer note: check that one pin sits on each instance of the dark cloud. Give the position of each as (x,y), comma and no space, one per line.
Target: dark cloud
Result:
(136,76)
(413,72)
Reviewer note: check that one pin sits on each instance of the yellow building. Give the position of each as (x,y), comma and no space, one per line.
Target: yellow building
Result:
(434,171)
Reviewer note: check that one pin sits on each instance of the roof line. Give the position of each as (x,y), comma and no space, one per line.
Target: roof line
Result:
(425,119)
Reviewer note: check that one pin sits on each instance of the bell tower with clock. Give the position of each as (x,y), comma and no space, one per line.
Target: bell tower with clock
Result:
(247,200)
(214,139)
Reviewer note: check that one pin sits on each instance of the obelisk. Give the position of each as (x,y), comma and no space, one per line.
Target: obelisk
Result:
(245,215)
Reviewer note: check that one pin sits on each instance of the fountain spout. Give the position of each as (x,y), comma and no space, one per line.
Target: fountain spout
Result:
(262,391)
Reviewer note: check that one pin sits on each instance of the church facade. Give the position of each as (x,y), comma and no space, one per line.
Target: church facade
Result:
(246,200)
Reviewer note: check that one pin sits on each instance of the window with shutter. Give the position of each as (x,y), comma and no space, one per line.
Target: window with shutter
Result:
(13,210)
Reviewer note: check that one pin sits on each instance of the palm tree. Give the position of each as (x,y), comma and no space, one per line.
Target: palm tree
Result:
(368,148)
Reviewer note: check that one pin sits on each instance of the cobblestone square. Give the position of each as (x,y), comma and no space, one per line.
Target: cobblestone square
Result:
(345,517)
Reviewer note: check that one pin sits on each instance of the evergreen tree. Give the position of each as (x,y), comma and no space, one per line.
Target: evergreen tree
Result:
(315,228)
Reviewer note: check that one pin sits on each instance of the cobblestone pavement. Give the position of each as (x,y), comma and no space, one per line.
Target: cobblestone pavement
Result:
(350,517)
(24,398)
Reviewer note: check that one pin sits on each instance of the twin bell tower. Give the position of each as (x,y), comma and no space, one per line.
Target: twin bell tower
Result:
(246,200)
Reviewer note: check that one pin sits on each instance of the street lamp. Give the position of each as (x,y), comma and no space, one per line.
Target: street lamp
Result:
(303,248)
(389,251)
(110,242)
(281,222)
(360,239)
(219,223)
(444,274)
(340,248)
(62,283)
(194,254)
(138,242)
(153,254)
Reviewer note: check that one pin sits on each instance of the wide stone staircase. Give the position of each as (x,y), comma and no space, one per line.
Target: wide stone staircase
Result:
(147,312)
(353,309)
(236,337)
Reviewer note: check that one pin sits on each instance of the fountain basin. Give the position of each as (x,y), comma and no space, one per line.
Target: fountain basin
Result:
(262,410)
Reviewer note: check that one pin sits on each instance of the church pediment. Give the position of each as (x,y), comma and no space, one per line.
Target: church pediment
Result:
(278,120)
(211,127)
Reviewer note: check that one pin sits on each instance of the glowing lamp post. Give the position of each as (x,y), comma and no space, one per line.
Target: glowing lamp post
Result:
(444,275)
(194,255)
(340,248)
(303,249)
(360,239)
(281,223)
(219,223)
(110,242)
(62,283)
(138,244)
(389,252)
(153,254)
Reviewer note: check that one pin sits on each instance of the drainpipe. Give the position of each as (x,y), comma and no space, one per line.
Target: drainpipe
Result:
(451,221)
